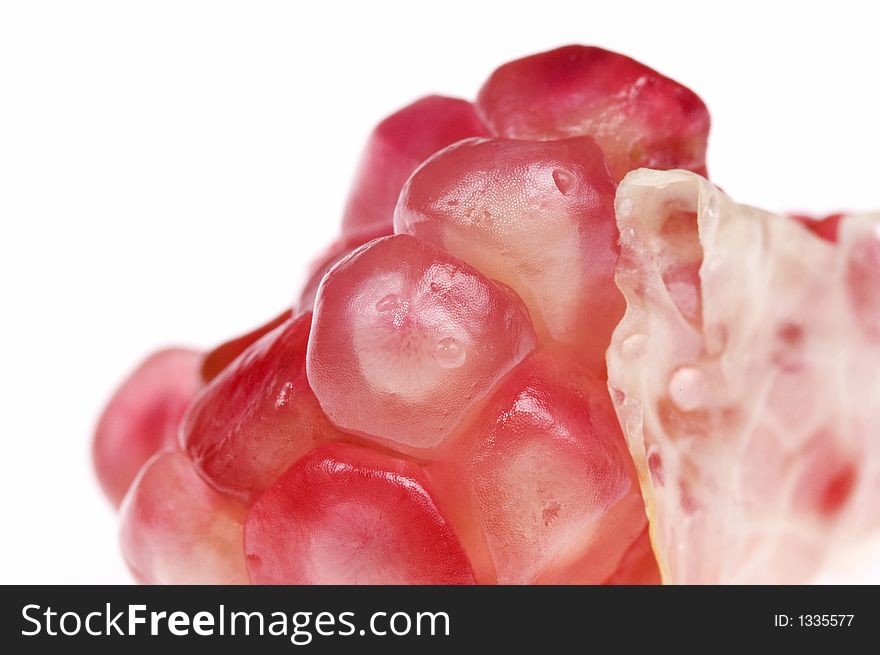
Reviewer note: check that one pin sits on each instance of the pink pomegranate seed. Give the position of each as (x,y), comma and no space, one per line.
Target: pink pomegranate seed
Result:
(822,227)
(258,416)
(332,256)
(177,530)
(396,147)
(638,116)
(143,417)
(537,216)
(223,355)
(406,339)
(348,515)
(548,478)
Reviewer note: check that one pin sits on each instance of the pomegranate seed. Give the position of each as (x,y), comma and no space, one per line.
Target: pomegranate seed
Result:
(348,515)
(143,417)
(537,216)
(406,339)
(396,147)
(177,530)
(639,117)
(258,416)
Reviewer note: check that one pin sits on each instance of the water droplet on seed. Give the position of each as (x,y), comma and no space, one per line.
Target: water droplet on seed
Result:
(687,388)
(564,180)
(387,303)
(449,353)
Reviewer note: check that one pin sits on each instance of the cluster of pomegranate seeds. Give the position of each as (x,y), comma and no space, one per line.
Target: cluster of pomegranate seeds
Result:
(434,409)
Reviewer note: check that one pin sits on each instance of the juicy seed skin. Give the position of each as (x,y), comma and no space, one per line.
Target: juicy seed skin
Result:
(548,478)
(143,417)
(537,216)
(406,340)
(395,149)
(639,117)
(258,416)
(175,529)
(224,354)
(348,515)
(338,251)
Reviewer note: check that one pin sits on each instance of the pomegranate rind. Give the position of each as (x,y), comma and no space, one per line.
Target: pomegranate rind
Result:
(744,375)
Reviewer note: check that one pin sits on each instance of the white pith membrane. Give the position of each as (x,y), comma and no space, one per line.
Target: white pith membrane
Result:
(746,377)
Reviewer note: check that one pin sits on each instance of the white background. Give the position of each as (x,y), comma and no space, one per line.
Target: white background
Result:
(167,169)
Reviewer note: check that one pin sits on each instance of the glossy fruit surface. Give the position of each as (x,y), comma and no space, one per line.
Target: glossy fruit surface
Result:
(639,117)
(433,408)
(395,149)
(143,416)
(347,515)
(258,416)
(535,215)
(406,339)
(175,529)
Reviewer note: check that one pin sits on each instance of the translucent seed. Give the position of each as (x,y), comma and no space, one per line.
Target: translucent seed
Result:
(687,388)
(449,353)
